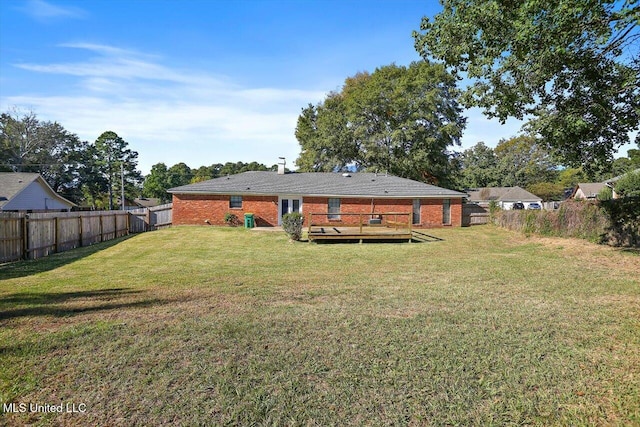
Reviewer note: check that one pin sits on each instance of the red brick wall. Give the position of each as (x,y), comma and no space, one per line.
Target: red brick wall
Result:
(456,212)
(430,209)
(194,209)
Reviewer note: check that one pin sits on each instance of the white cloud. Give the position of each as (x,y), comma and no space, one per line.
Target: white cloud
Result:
(168,114)
(43,11)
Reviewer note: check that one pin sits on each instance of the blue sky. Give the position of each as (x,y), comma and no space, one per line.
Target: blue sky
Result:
(201,81)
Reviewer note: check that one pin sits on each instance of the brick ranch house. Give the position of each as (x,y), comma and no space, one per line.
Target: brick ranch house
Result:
(270,195)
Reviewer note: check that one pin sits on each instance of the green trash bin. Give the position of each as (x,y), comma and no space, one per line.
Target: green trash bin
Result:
(248,220)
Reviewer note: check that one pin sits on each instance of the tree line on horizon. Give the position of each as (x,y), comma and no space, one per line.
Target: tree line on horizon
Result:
(161,178)
(90,174)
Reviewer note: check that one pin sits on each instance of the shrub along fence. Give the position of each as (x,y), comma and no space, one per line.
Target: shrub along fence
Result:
(615,222)
(36,235)
(624,214)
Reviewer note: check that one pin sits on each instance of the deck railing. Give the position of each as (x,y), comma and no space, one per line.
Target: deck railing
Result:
(394,220)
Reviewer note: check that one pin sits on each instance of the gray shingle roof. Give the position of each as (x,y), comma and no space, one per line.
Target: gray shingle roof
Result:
(12,183)
(504,194)
(317,184)
(589,189)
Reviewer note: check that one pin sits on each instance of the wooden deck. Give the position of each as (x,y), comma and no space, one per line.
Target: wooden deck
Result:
(324,232)
(378,226)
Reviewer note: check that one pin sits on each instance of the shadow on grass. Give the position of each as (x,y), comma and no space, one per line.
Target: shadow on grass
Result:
(422,237)
(27,268)
(357,241)
(49,304)
(635,251)
(416,237)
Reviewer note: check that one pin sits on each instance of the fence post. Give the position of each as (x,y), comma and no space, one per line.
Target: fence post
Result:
(56,235)
(25,237)
(101,228)
(80,229)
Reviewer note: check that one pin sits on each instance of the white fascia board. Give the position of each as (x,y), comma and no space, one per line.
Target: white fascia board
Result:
(344,196)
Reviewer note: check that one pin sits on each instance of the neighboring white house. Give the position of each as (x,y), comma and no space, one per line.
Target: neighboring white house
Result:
(21,191)
(505,197)
(590,190)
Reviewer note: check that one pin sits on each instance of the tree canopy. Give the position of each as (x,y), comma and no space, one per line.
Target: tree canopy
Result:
(397,119)
(31,145)
(572,67)
(114,162)
(161,178)
(629,184)
(522,161)
(479,167)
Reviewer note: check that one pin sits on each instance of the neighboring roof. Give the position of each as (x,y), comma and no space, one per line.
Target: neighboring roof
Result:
(589,189)
(317,184)
(613,180)
(502,194)
(13,183)
(147,202)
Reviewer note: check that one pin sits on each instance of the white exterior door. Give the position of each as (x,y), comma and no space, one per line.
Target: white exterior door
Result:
(288,204)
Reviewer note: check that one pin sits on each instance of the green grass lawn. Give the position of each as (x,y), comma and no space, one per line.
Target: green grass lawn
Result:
(210,326)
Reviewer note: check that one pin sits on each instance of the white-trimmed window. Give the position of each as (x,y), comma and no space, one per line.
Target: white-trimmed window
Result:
(416,211)
(333,209)
(235,202)
(446,212)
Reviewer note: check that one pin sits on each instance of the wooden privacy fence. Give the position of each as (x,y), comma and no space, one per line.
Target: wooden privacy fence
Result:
(149,219)
(35,235)
(473,214)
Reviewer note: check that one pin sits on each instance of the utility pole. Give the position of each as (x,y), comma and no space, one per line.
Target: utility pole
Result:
(122,183)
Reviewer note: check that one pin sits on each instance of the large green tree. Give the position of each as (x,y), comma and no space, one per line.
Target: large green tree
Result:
(479,167)
(398,119)
(28,144)
(114,161)
(629,184)
(523,161)
(325,136)
(156,183)
(572,67)
(570,177)
(179,174)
